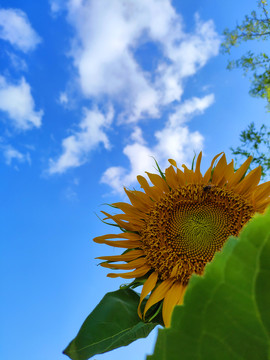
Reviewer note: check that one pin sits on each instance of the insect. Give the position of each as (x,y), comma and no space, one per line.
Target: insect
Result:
(208,188)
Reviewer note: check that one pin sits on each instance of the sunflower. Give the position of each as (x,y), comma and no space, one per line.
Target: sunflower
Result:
(175,227)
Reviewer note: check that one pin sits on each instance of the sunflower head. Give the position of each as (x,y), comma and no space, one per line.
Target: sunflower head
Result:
(173,228)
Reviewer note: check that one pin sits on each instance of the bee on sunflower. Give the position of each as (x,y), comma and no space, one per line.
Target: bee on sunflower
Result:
(174,228)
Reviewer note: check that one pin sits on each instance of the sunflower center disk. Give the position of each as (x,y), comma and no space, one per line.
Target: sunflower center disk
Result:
(188,226)
(198,231)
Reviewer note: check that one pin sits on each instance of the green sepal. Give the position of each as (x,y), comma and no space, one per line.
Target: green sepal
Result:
(193,162)
(159,170)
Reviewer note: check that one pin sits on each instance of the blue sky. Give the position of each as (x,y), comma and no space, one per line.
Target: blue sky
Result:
(89,91)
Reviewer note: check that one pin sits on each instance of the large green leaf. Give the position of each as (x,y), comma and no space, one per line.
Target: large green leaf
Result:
(113,323)
(226,312)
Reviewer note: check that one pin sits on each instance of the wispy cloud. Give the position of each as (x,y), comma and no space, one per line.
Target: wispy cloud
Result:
(63,98)
(17,102)
(11,154)
(16,61)
(57,6)
(76,147)
(175,141)
(16,29)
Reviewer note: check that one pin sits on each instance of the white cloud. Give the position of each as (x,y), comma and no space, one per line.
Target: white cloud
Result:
(16,100)
(17,62)
(108,36)
(140,158)
(57,6)
(175,141)
(63,98)
(108,33)
(189,54)
(76,147)
(16,28)
(70,194)
(10,154)
(190,108)
(137,135)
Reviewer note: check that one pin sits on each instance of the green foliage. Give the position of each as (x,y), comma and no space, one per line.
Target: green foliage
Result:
(226,312)
(113,323)
(254,27)
(257,144)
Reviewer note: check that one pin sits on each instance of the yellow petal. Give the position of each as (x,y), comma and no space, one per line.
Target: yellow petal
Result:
(262,192)
(173,296)
(262,205)
(158,181)
(143,197)
(158,294)
(189,175)
(132,219)
(249,182)
(143,182)
(171,177)
(122,224)
(131,265)
(129,209)
(131,236)
(180,177)
(134,240)
(207,175)
(219,170)
(198,175)
(147,287)
(129,244)
(237,176)
(229,170)
(181,299)
(130,255)
(133,274)
(173,162)
(153,192)
(139,200)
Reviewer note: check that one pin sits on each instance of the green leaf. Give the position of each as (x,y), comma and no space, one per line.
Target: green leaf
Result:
(113,323)
(226,312)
